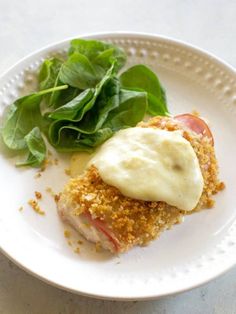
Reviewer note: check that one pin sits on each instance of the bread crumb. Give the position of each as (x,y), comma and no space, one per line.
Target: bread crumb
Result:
(50,191)
(77,250)
(56,161)
(38,175)
(38,195)
(67,233)
(20,208)
(210,203)
(47,162)
(69,243)
(34,204)
(221,186)
(195,113)
(68,172)
(56,197)
(98,247)
(80,242)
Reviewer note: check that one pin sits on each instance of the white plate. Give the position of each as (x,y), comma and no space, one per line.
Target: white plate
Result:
(192,253)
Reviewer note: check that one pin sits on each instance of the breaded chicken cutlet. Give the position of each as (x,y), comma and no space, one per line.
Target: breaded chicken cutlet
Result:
(103,215)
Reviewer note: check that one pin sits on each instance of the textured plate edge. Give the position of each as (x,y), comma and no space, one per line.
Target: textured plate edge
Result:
(121,35)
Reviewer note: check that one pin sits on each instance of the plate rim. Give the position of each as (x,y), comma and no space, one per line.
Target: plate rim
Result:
(120,34)
(94,35)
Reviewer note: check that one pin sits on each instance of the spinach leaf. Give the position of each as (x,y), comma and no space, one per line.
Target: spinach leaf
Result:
(131,110)
(79,72)
(68,138)
(77,108)
(99,53)
(23,115)
(65,137)
(88,111)
(70,110)
(109,74)
(140,77)
(66,96)
(48,73)
(49,78)
(107,100)
(113,109)
(71,145)
(36,147)
(97,138)
(88,62)
(55,131)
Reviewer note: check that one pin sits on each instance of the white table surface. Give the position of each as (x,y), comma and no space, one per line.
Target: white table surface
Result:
(27,25)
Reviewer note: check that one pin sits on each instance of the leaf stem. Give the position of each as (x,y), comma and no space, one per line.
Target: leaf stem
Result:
(53,89)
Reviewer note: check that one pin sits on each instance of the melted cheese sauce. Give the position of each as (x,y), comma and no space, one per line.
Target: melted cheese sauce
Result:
(151,165)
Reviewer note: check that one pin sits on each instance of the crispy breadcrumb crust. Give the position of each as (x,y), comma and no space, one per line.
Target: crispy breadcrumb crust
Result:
(136,222)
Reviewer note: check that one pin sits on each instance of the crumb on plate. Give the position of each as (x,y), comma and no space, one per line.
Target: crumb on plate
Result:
(195,113)
(38,175)
(56,198)
(34,204)
(38,195)
(50,191)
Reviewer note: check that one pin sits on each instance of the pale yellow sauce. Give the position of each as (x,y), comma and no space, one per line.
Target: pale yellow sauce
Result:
(152,165)
(79,163)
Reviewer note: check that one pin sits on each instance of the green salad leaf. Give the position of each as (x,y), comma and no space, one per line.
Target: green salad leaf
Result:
(107,100)
(70,110)
(86,113)
(22,117)
(65,137)
(132,108)
(49,78)
(69,138)
(79,72)
(49,72)
(89,61)
(83,106)
(140,77)
(81,102)
(36,147)
(97,138)
(100,54)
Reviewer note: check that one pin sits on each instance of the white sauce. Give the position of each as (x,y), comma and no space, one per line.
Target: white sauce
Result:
(152,165)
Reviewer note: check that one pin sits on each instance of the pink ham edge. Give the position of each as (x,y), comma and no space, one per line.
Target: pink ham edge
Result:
(196,124)
(101,226)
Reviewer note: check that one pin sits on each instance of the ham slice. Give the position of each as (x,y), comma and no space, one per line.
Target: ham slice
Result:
(195,124)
